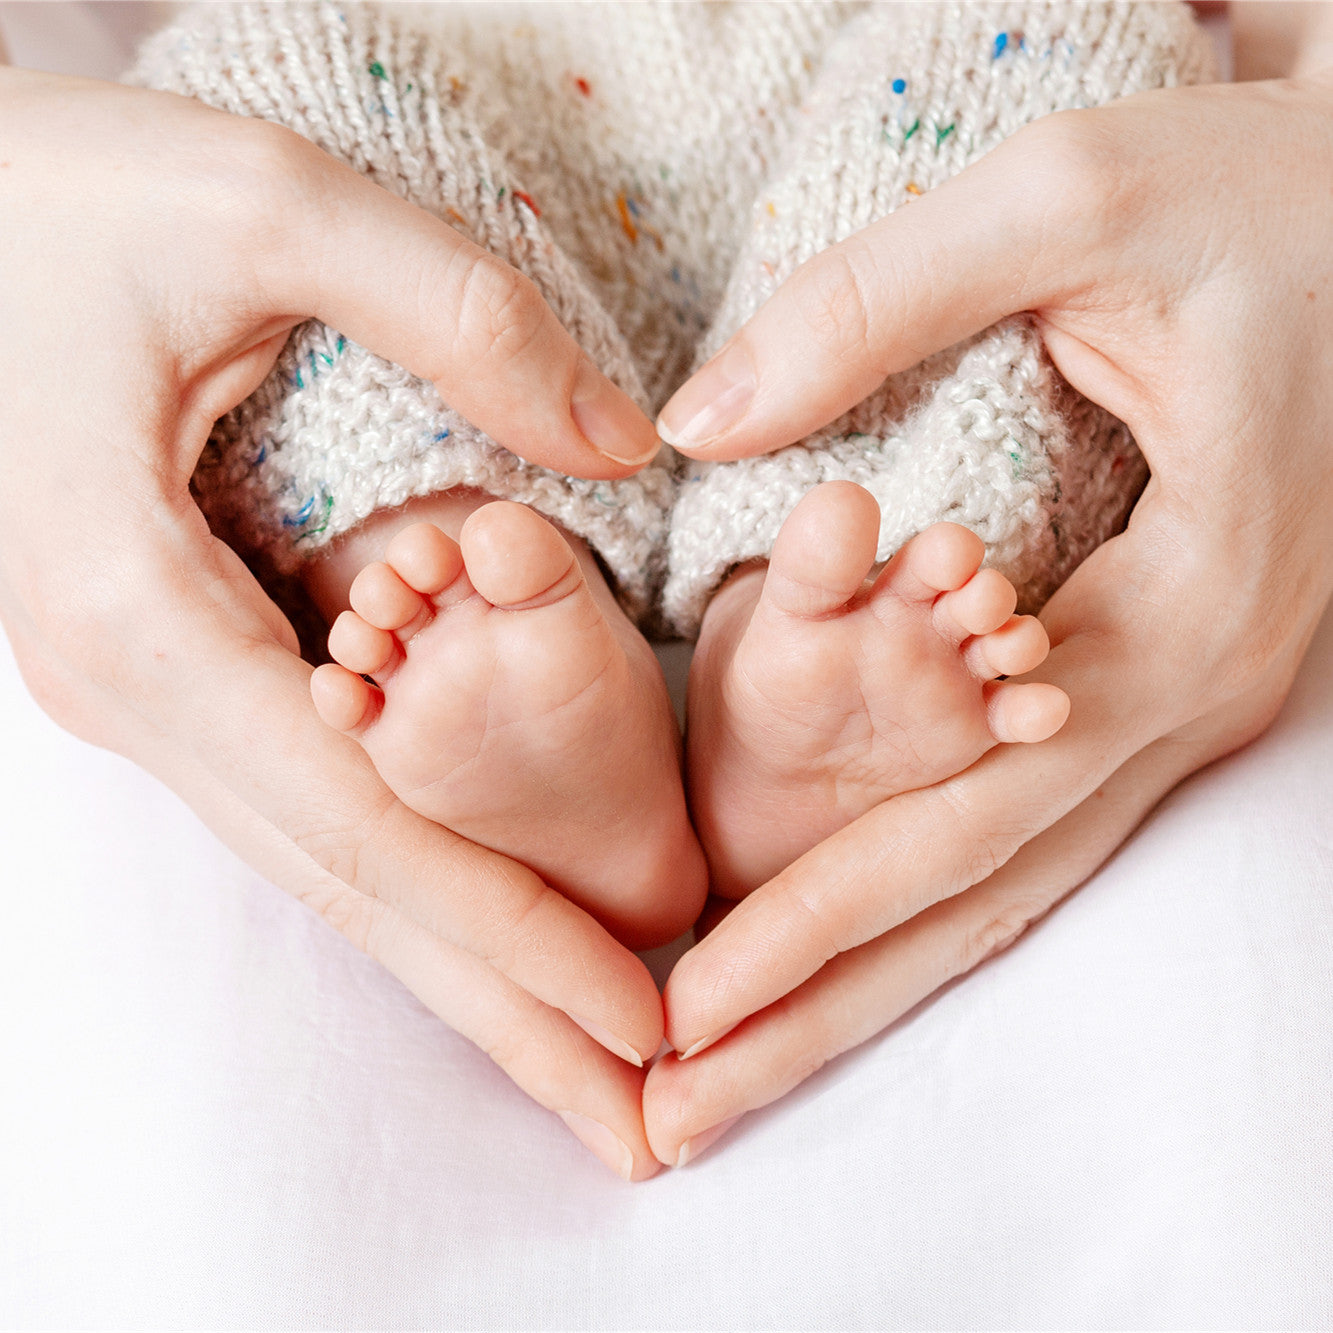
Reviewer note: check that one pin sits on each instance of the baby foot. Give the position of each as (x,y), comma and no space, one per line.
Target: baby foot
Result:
(815,695)
(510,707)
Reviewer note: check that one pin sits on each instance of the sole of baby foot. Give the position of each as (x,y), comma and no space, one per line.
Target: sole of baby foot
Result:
(510,705)
(816,693)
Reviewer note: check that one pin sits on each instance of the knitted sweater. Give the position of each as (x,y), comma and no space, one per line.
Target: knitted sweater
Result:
(657,171)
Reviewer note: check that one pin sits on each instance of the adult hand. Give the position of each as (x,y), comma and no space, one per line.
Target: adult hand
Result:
(1175,250)
(156,254)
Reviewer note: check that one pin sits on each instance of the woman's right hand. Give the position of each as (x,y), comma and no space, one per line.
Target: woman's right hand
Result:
(1174,248)
(156,255)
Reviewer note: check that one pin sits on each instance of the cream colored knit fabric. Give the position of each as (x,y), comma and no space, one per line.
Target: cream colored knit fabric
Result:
(656,170)
(986,434)
(540,132)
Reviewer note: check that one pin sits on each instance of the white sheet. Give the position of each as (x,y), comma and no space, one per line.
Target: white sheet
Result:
(217,1114)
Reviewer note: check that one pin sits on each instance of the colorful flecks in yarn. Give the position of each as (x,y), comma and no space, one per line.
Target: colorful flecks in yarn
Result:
(315,362)
(313,522)
(563,145)
(985,433)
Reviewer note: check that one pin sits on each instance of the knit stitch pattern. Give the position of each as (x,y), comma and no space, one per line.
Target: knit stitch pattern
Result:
(657,171)
(336,433)
(645,132)
(985,434)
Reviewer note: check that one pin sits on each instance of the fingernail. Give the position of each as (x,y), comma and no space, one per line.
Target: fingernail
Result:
(609,420)
(691,1148)
(602,1141)
(612,1043)
(711,402)
(706,1042)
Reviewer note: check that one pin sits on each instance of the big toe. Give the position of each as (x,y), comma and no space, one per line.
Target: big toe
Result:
(515,558)
(824,552)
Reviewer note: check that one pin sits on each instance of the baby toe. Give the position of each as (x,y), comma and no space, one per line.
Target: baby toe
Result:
(1025,713)
(360,646)
(424,558)
(1020,645)
(982,605)
(342,699)
(943,557)
(381,598)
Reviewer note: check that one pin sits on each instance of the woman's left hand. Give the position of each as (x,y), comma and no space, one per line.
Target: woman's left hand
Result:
(1176,249)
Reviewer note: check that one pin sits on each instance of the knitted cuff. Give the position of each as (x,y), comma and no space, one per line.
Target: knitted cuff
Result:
(335,432)
(985,434)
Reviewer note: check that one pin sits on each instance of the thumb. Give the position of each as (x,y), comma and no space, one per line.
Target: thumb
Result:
(1000,237)
(416,291)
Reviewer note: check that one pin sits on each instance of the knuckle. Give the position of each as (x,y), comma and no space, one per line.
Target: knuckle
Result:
(986,855)
(1247,661)
(535,1050)
(500,314)
(250,181)
(997,930)
(260,164)
(349,850)
(354,916)
(513,922)
(512,1050)
(808,1063)
(1072,170)
(820,927)
(837,304)
(983,846)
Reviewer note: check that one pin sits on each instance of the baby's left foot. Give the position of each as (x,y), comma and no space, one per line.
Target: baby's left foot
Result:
(515,704)
(814,695)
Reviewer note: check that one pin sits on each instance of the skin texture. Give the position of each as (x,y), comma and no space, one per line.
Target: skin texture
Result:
(518,706)
(1170,288)
(1174,248)
(816,693)
(139,319)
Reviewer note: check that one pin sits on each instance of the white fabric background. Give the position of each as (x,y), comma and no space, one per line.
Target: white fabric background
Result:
(215,1113)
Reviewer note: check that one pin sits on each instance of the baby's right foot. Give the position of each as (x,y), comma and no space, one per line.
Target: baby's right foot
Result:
(511,708)
(815,695)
